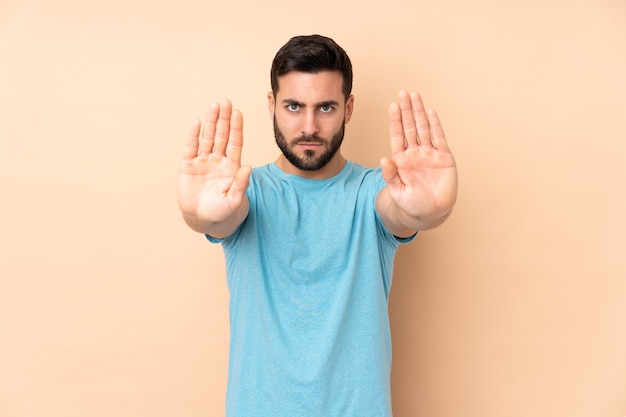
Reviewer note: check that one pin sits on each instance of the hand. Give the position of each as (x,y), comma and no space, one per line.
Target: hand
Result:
(421,174)
(211,181)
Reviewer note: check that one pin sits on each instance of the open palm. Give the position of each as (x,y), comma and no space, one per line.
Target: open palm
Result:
(211,181)
(421,174)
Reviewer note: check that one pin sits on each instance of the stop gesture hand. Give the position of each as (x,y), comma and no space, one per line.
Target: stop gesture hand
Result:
(421,174)
(211,181)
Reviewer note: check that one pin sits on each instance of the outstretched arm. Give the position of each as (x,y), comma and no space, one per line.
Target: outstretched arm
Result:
(211,181)
(421,173)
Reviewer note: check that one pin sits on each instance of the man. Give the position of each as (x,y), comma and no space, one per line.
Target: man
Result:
(310,239)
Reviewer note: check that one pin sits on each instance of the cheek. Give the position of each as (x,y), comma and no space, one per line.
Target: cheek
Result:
(288,125)
(333,126)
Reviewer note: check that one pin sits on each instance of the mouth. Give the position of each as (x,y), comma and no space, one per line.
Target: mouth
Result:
(309,145)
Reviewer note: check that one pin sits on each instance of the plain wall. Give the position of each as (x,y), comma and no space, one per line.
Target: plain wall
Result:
(110,306)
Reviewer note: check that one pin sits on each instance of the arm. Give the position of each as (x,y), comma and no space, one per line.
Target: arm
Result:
(421,173)
(212,183)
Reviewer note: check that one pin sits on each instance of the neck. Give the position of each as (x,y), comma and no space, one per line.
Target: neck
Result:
(332,168)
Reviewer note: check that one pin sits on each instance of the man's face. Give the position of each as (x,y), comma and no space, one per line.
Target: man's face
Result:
(309,114)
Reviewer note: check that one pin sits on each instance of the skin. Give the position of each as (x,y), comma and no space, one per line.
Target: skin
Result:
(421,172)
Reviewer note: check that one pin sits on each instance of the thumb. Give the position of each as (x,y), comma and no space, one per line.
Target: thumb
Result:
(241,182)
(390,172)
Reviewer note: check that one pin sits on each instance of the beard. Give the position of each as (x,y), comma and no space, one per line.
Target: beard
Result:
(309,162)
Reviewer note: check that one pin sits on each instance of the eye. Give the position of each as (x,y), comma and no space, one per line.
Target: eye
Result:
(326,108)
(293,107)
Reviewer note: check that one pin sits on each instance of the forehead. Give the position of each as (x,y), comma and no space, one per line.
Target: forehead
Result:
(311,87)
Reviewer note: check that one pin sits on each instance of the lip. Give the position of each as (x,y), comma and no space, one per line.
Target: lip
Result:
(309,145)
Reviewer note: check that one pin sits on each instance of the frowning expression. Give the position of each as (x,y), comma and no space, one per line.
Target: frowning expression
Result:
(309,114)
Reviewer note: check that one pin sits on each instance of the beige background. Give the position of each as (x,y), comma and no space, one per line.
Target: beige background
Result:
(110,306)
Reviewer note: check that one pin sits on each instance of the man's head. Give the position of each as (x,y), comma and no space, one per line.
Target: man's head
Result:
(310,103)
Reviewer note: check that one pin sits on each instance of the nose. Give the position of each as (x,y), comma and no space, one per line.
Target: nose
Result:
(309,124)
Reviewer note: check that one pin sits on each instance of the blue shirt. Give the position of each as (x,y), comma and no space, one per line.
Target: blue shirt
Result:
(309,273)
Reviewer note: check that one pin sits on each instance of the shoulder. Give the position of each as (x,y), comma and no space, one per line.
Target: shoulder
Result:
(370,178)
(264,176)
(262,171)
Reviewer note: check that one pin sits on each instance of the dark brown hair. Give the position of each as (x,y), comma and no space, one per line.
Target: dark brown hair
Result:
(312,54)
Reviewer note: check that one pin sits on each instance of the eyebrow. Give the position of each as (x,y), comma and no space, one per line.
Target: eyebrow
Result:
(289,101)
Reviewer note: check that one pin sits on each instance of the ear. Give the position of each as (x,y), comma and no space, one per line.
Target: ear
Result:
(349,107)
(271,104)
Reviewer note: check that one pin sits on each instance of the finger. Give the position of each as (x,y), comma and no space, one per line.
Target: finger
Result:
(421,120)
(208,133)
(408,121)
(222,129)
(235,138)
(191,148)
(438,136)
(396,132)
